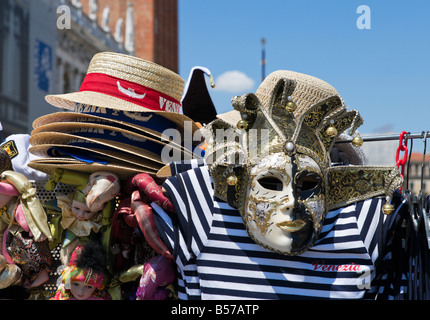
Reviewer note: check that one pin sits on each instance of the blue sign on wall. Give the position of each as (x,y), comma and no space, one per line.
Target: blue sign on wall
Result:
(43,68)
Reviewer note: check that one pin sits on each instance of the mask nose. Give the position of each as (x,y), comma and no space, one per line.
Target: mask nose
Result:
(287,203)
(294,209)
(300,212)
(287,206)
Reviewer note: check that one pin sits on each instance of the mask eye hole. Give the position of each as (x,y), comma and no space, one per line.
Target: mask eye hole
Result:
(271,183)
(308,184)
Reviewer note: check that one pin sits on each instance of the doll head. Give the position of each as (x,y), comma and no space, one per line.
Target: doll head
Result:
(80,208)
(89,200)
(101,188)
(85,274)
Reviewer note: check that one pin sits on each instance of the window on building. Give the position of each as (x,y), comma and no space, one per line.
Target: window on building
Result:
(14,59)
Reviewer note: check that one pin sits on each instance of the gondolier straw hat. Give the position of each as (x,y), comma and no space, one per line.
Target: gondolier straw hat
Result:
(127,83)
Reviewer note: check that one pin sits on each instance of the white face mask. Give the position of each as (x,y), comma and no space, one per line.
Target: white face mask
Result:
(285,204)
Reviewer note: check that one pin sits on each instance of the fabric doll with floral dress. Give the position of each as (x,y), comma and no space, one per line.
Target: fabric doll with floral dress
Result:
(84,277)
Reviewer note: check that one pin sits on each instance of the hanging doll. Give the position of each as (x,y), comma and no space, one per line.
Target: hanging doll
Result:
(24,231)
(135,214)
(157,276)
(87,210)
(84,277)
(132,224)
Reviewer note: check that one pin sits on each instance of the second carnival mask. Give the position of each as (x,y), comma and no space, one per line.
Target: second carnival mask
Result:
(275,167)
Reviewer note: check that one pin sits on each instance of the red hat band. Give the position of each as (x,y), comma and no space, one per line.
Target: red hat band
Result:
(129,91)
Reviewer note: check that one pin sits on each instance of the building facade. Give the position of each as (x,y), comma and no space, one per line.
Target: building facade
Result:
(46,46)
(155,27)
(14,62)
(417,174)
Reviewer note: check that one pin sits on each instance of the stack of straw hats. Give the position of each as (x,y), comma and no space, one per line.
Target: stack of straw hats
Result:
(117,120)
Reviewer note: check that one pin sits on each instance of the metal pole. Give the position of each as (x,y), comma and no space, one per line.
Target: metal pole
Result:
(387,137)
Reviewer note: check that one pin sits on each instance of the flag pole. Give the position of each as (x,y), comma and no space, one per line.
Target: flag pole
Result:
(263,60)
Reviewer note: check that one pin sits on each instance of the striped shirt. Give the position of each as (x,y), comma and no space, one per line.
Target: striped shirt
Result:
(216,258)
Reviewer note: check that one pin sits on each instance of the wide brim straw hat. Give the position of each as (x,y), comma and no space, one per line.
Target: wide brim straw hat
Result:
(145,124)
(110,132)
(93,143)
(102,156)
(90,155)
(126,83)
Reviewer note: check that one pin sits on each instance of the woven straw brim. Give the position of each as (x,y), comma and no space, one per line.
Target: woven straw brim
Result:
(76,127)
(308,91)
(48,151)
(82,117)
(124,172)
(65,138)
(69,100)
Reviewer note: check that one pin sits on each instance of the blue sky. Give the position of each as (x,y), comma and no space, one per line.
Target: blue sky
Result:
(384,72)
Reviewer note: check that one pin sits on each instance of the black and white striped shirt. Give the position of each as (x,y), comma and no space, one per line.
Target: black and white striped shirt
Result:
(216,258)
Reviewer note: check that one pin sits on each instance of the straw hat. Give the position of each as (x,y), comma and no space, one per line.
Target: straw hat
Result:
(48,151)
(110,132)
(93,143)
(124,82)
(148,123)
(89,154)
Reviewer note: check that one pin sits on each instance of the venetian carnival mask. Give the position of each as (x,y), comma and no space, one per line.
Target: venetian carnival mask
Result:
(275,167)
(285,202)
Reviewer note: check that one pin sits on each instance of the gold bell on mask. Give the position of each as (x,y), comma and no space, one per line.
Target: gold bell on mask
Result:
(242,124)
(388,208)
(232,180)
(357,141)
(291,105)
(331,130)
